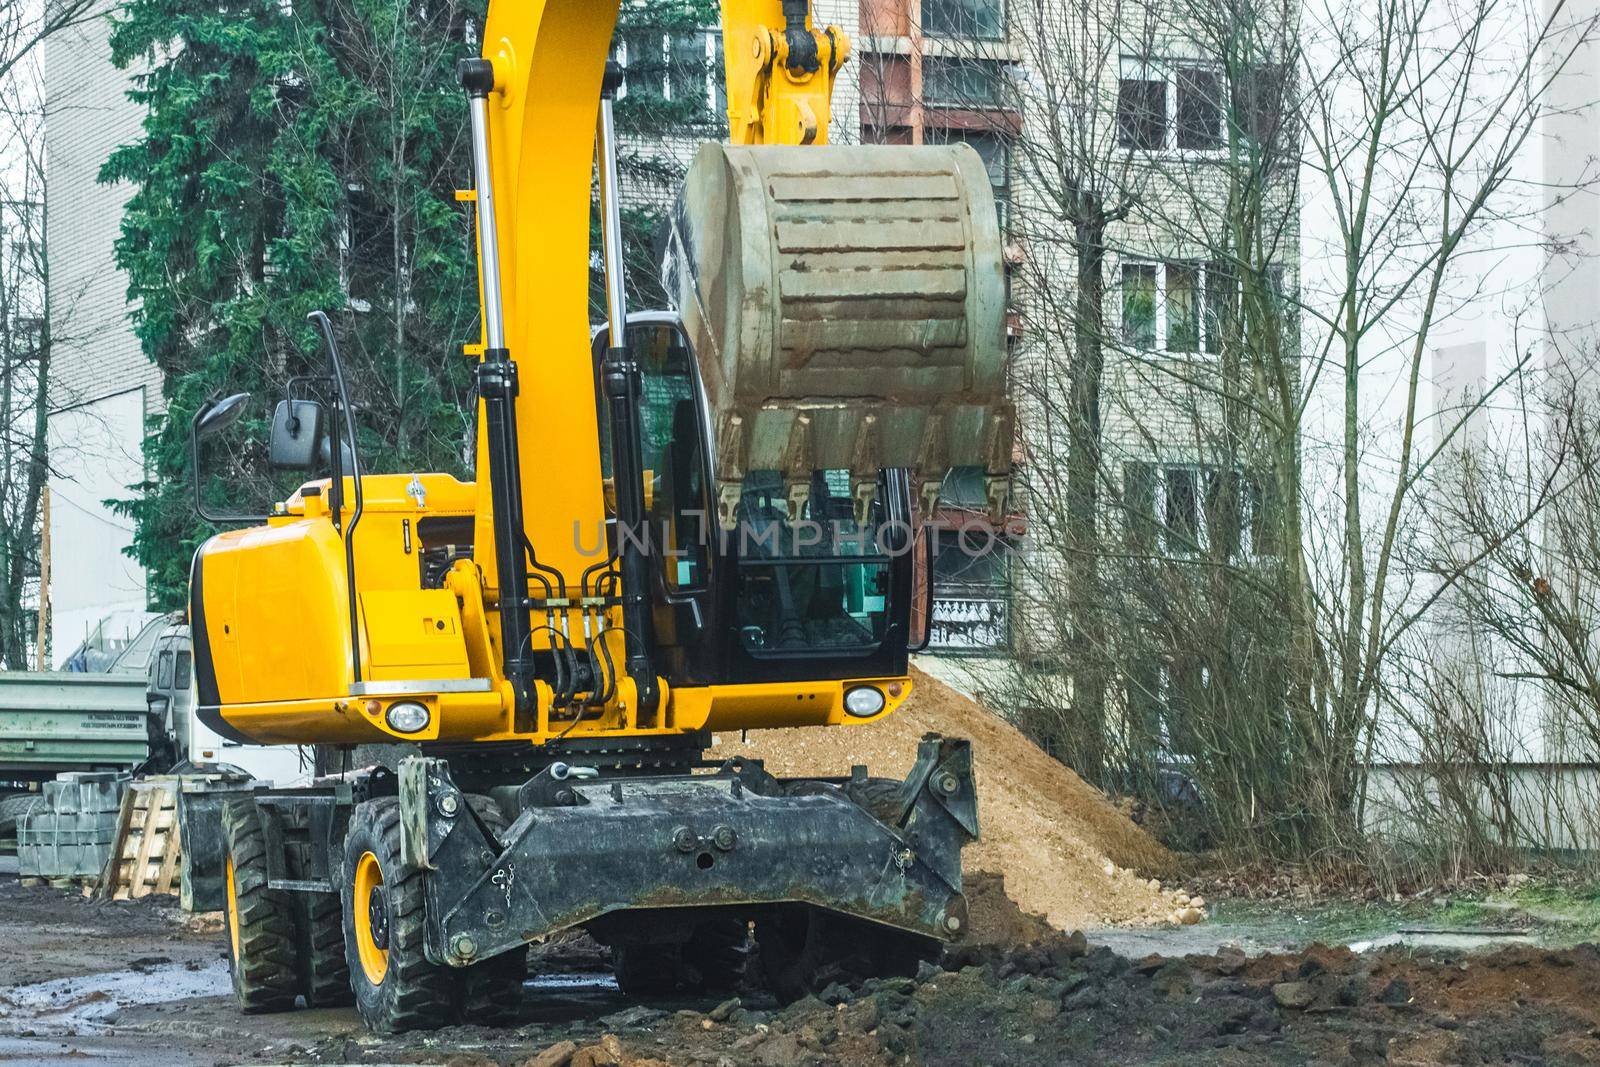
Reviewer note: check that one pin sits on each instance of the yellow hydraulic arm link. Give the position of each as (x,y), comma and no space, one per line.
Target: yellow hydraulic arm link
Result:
(780,72)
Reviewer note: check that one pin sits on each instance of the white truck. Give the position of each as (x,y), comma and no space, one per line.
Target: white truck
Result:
(137,716)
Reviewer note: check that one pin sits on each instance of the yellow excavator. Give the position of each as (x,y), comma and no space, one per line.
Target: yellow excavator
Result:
(704,518)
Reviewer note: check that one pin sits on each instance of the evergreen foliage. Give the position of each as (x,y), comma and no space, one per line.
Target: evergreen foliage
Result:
(300,156)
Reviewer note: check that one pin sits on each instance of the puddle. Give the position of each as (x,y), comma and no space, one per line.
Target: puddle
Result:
(1257,939)
(571,983)
(1458,940)
(91,1001)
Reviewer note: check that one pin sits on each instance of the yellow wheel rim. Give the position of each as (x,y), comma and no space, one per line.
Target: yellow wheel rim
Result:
(233,908)
(374,959)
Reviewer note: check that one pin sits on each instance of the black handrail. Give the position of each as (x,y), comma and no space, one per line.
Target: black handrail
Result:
(336,495)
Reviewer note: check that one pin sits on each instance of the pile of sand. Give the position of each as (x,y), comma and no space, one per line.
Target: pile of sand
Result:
(1064,851)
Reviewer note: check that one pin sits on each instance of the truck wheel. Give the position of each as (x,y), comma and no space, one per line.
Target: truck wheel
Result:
(803,949)
(396,987)
(15,808)
(490,993)
(325,976)
(260,921)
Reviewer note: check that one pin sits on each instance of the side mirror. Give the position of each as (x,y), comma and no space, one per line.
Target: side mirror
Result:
(209,420)
(297,438)
(214,418)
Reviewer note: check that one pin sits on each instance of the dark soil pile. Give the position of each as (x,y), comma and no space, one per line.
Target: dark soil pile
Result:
(1059,1001)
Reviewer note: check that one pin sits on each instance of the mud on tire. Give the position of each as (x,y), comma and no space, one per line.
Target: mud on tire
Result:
(409,993)
(259,921)
(324,972)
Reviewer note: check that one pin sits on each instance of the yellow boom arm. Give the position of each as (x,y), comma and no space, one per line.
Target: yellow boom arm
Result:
(549,59)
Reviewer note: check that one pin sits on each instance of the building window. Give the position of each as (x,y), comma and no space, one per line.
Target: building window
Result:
(1142,113)
(683,67)
(981,19)
(1163,106)
(1179,306)
(957,81)
(1260,101)
(1189,509)
(1139,300)
(1199,107)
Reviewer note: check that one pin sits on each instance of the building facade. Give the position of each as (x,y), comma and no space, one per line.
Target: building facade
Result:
(103,388)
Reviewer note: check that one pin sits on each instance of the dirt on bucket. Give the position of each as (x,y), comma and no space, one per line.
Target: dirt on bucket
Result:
(1064,851)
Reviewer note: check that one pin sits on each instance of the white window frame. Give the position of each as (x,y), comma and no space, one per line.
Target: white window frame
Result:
(1247,507)
(1202,274)
(1277,280)
(1165,70)
(713,67)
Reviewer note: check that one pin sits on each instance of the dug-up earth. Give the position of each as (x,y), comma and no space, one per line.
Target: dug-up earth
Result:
(139,983)
(1065,852)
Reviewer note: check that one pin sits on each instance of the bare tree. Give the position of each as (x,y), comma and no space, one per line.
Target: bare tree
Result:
(25,25)
(26,342)
(1257,502)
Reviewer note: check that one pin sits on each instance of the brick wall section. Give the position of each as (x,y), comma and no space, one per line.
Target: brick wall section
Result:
(89,116)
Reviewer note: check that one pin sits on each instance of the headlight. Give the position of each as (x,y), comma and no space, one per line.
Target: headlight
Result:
(407,717)
(864,701)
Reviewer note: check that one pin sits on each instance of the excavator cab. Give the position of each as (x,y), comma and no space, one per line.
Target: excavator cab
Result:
(791,591)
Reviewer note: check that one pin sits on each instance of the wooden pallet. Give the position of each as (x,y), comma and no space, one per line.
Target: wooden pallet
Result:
(145,850)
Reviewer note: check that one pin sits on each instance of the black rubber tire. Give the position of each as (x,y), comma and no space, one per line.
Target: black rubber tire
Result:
(413,993)
(880,796)
(490,993)
(324,971)
(13,808)
(261,952)
(804,949)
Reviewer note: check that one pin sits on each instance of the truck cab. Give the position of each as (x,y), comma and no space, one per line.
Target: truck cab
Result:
(169,694)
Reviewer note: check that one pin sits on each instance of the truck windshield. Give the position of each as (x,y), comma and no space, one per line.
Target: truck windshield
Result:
(819,584)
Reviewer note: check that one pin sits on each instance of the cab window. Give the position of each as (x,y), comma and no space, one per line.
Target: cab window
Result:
(164,669)
(183,671)
(821,584)
(671,440)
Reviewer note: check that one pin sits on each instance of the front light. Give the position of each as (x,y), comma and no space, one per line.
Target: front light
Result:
(407,717)
(864,701)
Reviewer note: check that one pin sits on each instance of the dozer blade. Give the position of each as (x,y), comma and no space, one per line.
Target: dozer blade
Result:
(736,840)
(847,308)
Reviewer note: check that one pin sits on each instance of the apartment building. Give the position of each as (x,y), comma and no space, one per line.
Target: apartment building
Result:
(103,388)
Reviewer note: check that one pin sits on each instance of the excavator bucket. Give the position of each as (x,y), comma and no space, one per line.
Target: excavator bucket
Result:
(847,309)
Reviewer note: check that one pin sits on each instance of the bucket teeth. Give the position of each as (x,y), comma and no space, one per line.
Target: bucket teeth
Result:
(797,497)
(864,494)
(995,492)
(928,499)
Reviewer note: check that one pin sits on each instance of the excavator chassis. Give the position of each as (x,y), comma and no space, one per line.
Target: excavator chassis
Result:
(639,859)
(582,850)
